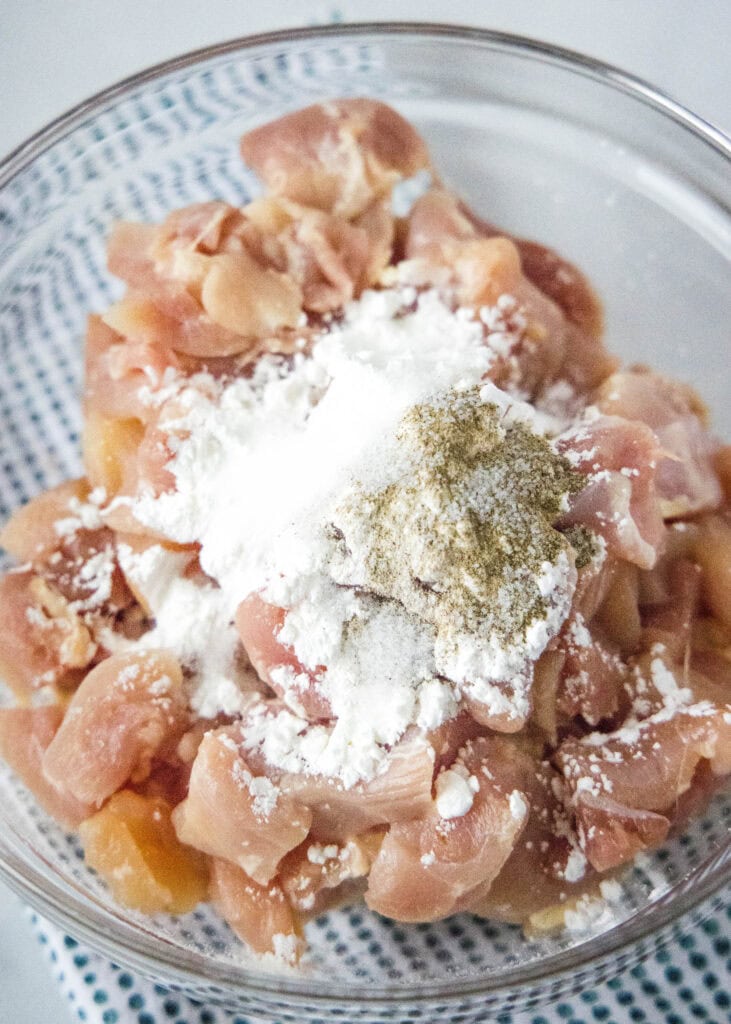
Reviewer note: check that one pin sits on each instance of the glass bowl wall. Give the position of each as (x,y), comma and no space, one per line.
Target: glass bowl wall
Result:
(549,145)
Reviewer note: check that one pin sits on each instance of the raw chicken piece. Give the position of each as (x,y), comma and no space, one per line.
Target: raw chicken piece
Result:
(566,285)
(25,733)
(213,281)
(591,683)
(206,228)
(685,479)
(259,914)
(338,156)
(126,341)
(618,617)
(620,499)
(218,304)
(328,258)
(431,867)
(613,834)
(123,713)
(83,571)
(29,534)
(436,221)
(234,814)
(401,791)
(645,766)
(564,316)
(117,366)
(448,739)
(132,844)
(546,866)
(125,457)
(670,623)
(317,876)
(43,640)
(722,467)
(259,624)
(379,225)
(546,716)
(713,552)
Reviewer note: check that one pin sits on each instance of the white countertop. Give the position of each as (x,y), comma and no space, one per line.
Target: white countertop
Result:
(54,53)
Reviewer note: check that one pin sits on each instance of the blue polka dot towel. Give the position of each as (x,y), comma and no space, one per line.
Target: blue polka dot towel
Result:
(689,981)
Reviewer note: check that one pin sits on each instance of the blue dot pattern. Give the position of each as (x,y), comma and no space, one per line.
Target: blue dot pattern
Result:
(687,981)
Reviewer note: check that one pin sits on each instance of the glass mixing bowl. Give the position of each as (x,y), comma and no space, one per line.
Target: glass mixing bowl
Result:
(549,144)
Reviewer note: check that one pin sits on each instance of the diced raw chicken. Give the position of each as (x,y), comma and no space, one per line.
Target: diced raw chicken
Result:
(231,299)
(379,225)
(546,716)
(562,282)
(670,623)
(110,448)
(431,867)
(713,552)
(709,674)
(132,844)
(42,639)
(247,299)
(331,256)
(593,584)
(564,315)
(259,914)
(629,786)
(613,834)
(25,733)
(509,720)
(546,866)
(201,227)
(644,766)
(259,624)
(329,259)
(565,284)
(436,220)
(117,366)
(618,617)
(125,456)
(620,499)
(29,534)
(83,570)
(403,790)
(448,739)
(318,876)
(213,281)
(645,651)
(121,716)
(168,780)
(591,683)
(338,156)
(722,468)
(236,815)
(478,273)
(474,271)
(685,479)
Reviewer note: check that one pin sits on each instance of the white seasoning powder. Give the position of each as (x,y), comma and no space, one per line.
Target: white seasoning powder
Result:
(576,865)
(319,854)
(193,620)
(454,794)
(518,805)
(83,515)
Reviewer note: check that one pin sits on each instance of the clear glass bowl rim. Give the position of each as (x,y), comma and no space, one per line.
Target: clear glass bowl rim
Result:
(71,908)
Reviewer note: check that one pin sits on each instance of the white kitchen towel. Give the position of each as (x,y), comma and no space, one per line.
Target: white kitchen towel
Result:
(688,982)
